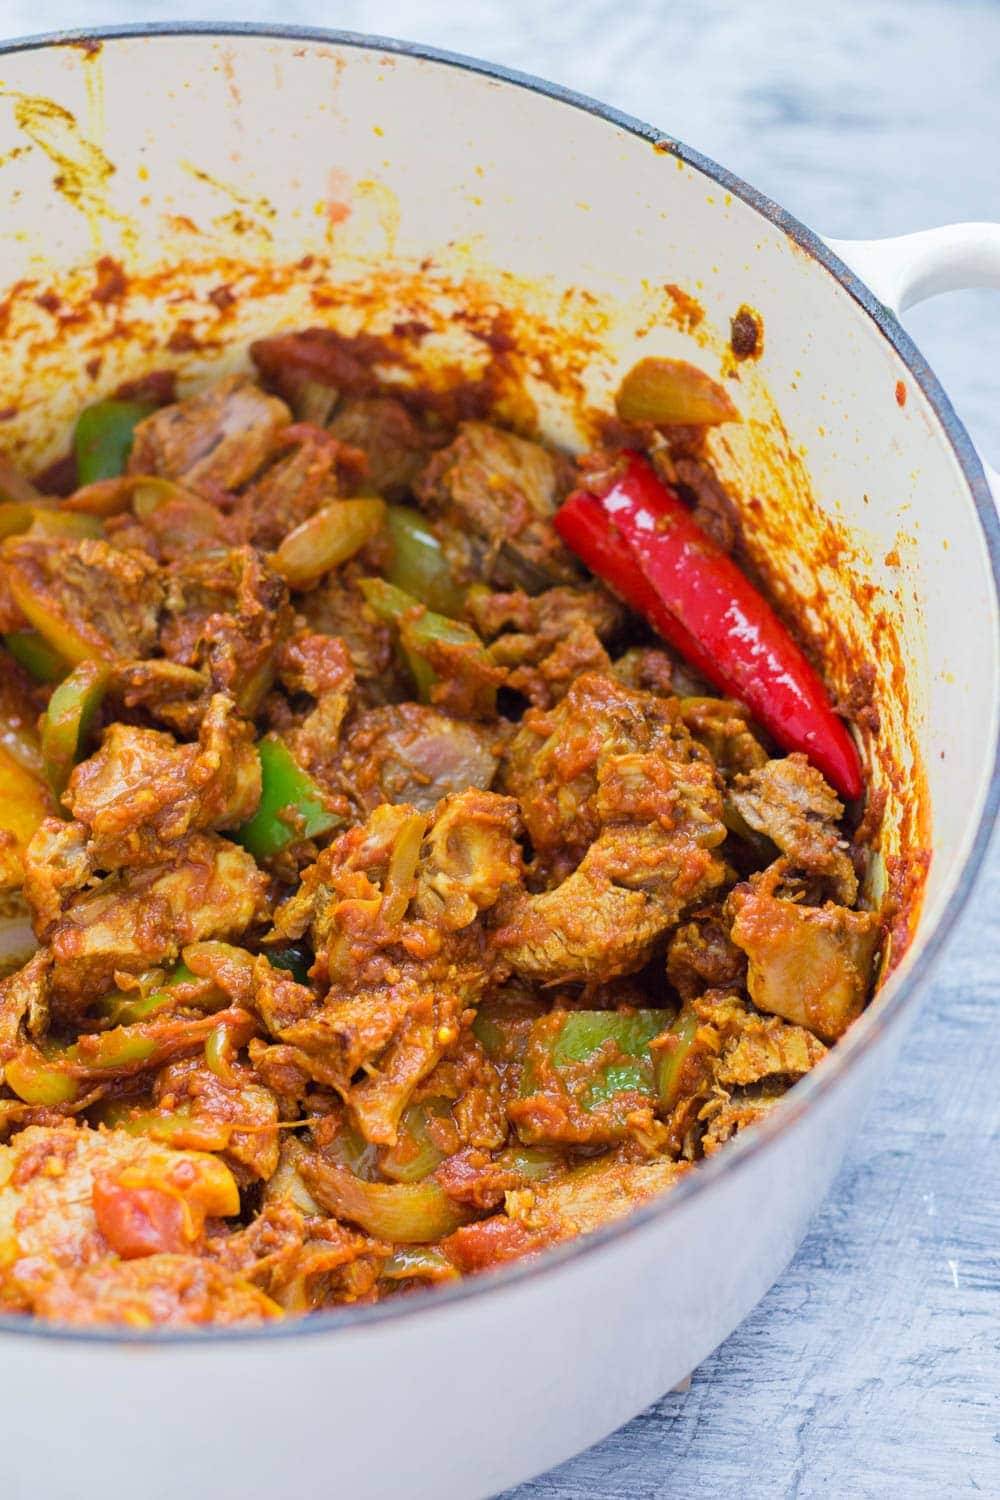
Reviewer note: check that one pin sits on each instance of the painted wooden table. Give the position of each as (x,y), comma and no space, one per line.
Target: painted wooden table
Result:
(873,1368)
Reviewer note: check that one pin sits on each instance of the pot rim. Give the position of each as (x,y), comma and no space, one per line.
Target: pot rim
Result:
(874,1022)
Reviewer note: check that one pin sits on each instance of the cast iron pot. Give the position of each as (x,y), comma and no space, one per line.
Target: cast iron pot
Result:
(191,188)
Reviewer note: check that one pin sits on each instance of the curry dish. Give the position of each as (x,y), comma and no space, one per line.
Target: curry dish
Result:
(417,846)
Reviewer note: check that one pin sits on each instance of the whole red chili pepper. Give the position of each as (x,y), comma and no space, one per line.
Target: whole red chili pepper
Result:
(641,540)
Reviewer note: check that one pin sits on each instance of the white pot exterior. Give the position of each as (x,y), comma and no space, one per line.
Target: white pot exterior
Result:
(580,222)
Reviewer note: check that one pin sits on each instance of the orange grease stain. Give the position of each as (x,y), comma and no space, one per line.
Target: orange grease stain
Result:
(338,188)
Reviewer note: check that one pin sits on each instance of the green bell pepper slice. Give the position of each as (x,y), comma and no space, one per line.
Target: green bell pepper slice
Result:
(103,437)
(409,1262)
(672,1057)
(289,797)
(68,720)
(587,1069)
(123,1008)
(420,630)
(33,652)
(295,960)
(111,1049)
(418,565)
(37,1080)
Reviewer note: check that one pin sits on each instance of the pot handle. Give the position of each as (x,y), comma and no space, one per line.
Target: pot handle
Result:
(908,268)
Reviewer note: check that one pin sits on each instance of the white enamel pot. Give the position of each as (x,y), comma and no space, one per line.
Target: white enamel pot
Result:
(341,179)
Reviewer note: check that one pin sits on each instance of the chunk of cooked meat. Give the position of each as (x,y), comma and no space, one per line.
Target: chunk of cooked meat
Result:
(142,791)
(158,1291)
(174,695)
(721,727)
(553,763)
(24,1003)
(646,668)
(616,808)
(226,615)
(400,952)
(661,822)
(56,865)
(394,443)
(590,1196)
(303,1261)
(718,1044)
(70,1195)
(338,608)
(104,600)
(789,802)
(736,1114)
(220,436)
(546,641)
(320,666)
(140,919)
(410,752)
(181,525)
(292,488)
(762,1047)
(810,964)
(702,956)
(496,495)
(234,1115)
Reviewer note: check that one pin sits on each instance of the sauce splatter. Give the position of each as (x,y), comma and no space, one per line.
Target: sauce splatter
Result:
(83,172)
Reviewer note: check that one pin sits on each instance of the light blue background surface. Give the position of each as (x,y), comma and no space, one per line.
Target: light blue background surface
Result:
(873,1367)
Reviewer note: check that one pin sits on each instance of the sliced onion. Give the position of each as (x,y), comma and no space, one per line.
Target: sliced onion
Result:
(406,1213)
(327,538)
(672,392)
(149,493)
(17,940)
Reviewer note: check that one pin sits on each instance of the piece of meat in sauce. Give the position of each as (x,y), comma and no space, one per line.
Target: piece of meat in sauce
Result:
(393,441)
(69,1196)
(411,752)
(393,909)
(104,599)
(810,964)
(158,1291)
(789,802)
(546,641)
(722,728)
(225,615)
(142,791)
(318,667)
(135,920)
(233,1114)
(577,1202)
(313,471)
(702,956)
(219,437)
(496,494)
(338,608)
(302,1261)
(614,805)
